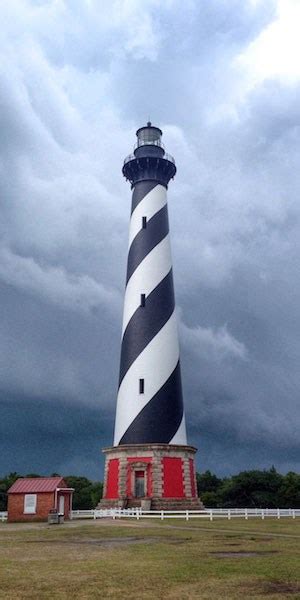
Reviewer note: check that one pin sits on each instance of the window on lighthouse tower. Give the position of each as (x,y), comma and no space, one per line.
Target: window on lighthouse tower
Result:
(144,222)
(142,386)
(143,299)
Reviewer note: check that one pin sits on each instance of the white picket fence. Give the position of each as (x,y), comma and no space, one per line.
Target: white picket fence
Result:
(3,516)
(209,513)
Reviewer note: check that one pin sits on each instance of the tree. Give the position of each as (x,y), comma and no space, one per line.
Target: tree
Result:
(207,482)
(96,493)
(289,492)
(87,494)
(5,484)
(208,486)
(252,489)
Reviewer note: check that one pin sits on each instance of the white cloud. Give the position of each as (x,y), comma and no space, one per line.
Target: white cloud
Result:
(275,52)
(212,344)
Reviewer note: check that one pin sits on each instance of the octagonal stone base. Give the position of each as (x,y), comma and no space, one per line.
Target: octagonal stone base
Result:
(156,476)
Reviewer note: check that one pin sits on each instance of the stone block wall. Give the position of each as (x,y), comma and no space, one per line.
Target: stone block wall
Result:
(169,476)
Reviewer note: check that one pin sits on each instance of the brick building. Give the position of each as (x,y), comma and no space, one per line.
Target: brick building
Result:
(31,499)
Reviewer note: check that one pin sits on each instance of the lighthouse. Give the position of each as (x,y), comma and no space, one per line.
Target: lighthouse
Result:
(150,463)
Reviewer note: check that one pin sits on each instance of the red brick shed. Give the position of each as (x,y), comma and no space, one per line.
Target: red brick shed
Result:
(31,499)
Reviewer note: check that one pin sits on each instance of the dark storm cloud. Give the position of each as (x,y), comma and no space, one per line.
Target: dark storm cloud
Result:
(76,80)
(51,351)
(74,443)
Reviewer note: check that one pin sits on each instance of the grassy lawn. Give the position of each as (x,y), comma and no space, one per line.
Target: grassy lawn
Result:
(172,559)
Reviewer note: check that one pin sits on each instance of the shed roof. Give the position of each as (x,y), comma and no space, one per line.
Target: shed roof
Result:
(32,485)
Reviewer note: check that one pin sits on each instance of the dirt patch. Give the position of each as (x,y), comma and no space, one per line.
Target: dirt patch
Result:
(176,541)
(260,539)
(280,587)
(270,588)
(242,553)
(232,544)
(108,542)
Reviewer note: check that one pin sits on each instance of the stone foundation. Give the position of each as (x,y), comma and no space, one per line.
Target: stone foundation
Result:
(158,475)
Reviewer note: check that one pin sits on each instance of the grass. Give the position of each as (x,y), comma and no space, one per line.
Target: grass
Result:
(175,560)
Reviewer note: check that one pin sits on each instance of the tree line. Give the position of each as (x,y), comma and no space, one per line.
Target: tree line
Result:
(248,489)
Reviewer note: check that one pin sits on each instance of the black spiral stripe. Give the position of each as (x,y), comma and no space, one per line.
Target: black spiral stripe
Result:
(144,325)
(159,420)
(156,230)
(140,191)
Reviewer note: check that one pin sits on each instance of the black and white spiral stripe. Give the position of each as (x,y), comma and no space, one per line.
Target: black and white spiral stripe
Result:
(150,348)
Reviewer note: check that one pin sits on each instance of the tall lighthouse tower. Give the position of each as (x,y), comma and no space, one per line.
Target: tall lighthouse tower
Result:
(150,461)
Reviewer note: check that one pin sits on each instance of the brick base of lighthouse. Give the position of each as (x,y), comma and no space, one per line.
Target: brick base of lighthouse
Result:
(156,476)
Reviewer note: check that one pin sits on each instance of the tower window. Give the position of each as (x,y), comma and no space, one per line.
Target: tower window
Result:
(142,386)
(143,299)
(144,222)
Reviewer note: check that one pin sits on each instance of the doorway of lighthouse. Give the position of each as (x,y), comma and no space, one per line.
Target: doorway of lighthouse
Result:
(139,487)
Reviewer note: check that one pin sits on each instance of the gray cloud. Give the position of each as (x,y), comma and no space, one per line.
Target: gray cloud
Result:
(76,81)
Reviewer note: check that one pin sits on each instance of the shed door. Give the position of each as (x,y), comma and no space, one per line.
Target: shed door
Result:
(61,508)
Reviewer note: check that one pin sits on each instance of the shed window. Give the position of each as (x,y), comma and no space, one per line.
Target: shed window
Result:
(30,504)
(142,386)
(144,222)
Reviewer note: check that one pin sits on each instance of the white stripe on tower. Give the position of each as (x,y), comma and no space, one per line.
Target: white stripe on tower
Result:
(145,279)
(149,405)
(130,402)
(151,204)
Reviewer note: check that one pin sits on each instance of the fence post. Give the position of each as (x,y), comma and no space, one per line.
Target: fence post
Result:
(293,514)
(187,515)
(246,514)
(262,514)
(161,515)
(210,515)
(278,513)
(229,515)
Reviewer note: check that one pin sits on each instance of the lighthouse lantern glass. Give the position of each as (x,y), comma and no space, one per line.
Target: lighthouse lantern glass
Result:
(149,135)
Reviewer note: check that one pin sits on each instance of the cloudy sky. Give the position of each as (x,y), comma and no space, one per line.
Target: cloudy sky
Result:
(222,79)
